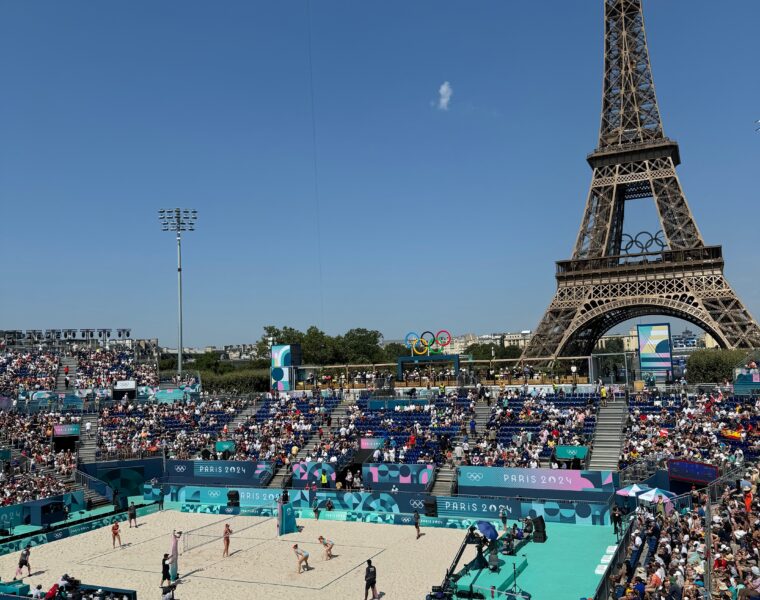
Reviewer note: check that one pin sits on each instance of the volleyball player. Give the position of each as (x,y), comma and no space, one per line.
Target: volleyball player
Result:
(327,545)
(115,534)
(226,537)
(302,556)
(23,561)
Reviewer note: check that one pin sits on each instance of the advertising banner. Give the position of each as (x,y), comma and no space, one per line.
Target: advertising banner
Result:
(383,476)
(692,472)
(239,472)
(371,443)
(553,511)
(655,358)
(190,494)
(562,484)
(68,430)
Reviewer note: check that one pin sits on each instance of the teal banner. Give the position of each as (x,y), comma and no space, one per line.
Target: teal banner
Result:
(228,445)
(571,452)
(72,429)
(190,494)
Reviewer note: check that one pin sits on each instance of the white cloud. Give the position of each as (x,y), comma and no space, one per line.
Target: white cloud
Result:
(445,92)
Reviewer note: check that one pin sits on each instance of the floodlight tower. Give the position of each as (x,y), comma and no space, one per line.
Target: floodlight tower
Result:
(178,220)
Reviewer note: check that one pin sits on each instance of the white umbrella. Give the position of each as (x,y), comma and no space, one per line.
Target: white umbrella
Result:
(651,495)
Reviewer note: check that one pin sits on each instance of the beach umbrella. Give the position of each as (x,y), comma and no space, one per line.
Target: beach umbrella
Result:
(632,491)
(651,495)
(488,530)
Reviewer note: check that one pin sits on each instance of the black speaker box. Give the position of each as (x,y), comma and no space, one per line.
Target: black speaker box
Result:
(539,537)
(539,524)
(233,498)
(431,507)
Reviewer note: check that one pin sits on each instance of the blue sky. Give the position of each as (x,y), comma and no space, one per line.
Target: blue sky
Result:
(428,218)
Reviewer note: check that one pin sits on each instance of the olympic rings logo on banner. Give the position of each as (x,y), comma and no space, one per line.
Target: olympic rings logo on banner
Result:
(214,493)
(406,520)
(428,342)
(416,504)
(180,468)
(229,509)
(474,476)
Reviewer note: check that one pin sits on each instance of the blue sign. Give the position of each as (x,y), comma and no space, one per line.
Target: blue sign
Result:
(241,472)
(692,472)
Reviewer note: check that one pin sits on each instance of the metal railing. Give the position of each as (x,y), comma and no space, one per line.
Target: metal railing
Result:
(91,483)
(606,588)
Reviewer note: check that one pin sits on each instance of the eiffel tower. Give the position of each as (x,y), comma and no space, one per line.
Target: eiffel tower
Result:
(612,276)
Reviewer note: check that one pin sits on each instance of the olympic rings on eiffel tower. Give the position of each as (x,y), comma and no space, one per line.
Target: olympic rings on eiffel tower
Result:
(642,242)
(427,343)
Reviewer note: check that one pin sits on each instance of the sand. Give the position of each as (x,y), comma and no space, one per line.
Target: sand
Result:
(261,565)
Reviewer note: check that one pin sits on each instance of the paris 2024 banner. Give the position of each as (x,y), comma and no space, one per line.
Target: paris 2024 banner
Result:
(556,484)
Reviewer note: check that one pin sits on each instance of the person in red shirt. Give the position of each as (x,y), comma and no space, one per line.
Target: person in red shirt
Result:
(720,563)
(115,535)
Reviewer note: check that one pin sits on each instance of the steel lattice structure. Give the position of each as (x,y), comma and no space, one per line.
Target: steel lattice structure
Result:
(603,285)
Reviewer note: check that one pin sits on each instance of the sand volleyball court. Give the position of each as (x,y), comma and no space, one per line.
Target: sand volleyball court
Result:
(260,565)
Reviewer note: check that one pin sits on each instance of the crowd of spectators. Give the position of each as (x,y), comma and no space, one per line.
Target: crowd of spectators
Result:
(282,425)
(705,427)
(670,547)
(32,436)
(182,428)
(101,368)
(28,370)
(40,471)
(25,487)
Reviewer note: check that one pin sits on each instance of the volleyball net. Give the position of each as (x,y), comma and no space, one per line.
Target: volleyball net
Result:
(214,532)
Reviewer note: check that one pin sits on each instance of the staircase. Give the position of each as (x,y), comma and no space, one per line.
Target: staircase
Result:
(338,414)
(444,481)
(60,381)
(608,436)
(88,445)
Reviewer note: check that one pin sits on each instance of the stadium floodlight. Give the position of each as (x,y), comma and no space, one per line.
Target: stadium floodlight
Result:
(123,332)
(178,220)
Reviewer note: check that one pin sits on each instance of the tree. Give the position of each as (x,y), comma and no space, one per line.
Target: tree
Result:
(713,365)
(360,346)
(393,351)
(510,352)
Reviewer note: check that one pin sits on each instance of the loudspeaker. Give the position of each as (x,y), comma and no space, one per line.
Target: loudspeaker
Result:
(296,355)
(539,530)
(431,507)
(233,498)
(539,524)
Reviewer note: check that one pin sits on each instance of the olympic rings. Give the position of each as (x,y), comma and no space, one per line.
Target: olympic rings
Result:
(428,342)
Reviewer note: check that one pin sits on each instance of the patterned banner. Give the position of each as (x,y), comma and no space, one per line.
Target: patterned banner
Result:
(555,511)
(190,494)
(306,473)
(361,501)
(384,476)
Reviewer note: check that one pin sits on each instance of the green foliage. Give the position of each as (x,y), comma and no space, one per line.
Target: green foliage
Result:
(356,346)
(244,381)
(394,350)
(713,365)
